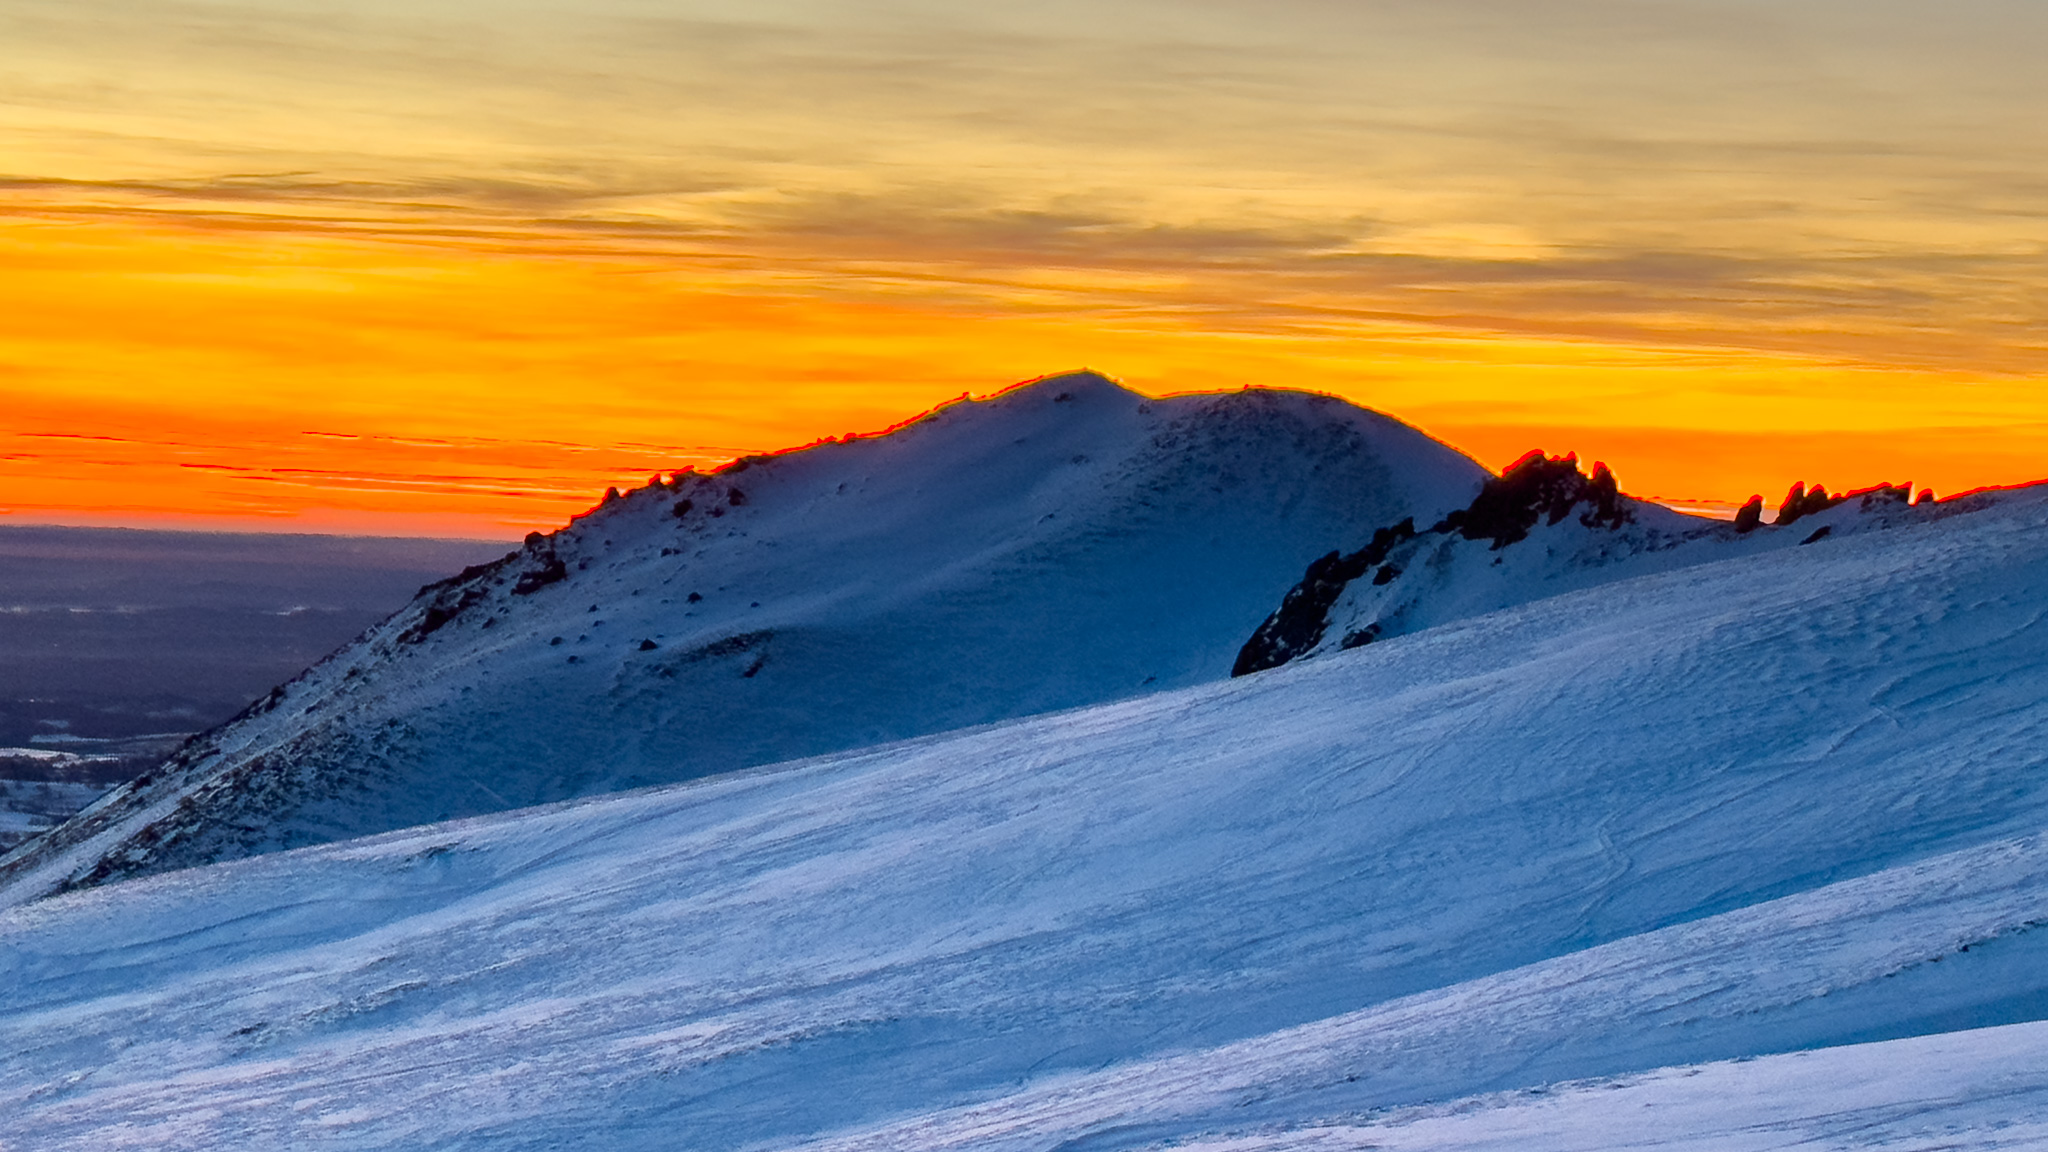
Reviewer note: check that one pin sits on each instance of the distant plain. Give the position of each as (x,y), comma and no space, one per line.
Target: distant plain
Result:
(116,644)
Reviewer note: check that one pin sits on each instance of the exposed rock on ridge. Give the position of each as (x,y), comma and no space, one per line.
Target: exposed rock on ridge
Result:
(1548,528)
(1539,488)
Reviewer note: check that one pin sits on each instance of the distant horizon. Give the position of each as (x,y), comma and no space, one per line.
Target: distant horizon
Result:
(315,516)
(205,526)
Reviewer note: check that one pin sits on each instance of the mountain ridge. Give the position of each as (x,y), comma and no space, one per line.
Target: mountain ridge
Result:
(1057,544)
(1540,528)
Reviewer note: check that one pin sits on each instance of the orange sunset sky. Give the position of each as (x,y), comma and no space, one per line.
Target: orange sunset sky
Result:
(452,267)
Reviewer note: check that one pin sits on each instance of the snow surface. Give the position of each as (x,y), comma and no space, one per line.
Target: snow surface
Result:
(1977,1090)
(1063,543)
(1766,804)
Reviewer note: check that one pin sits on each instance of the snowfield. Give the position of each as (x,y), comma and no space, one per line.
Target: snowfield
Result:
(1965,1090)
(1787,801)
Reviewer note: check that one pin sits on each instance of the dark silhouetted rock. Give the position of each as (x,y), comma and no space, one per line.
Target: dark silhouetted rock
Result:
(1603,497)
(1298,624)
(1802,501)
(1883,495)
(1751,515)
(1361,637)
(553,571)
(1794,504)
(450,598)
(1538,488)
(541,567)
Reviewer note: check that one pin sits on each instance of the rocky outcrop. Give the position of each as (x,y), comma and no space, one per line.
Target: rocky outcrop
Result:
(1801,502)
(1535,490)
(1298,624)
(1547,528)
(1750,516)
(543,566)
(1538,488)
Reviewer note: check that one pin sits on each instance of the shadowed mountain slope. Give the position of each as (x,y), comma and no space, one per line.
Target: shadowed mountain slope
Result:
(1063,543)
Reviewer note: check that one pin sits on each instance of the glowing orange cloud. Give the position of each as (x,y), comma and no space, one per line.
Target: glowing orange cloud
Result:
(161,370)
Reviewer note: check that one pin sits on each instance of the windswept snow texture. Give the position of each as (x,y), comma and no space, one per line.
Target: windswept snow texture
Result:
(1778,802)
(1065,543)
(1961,1092)
(1542,528)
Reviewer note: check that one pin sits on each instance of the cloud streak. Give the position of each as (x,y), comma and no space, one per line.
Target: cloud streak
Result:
(1972,311)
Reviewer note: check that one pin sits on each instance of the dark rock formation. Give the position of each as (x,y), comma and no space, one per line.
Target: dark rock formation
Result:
(447,599)
(1751,515)
(1803,501)
(1298,624)
(543,567)
(1894,495)
(1538,487)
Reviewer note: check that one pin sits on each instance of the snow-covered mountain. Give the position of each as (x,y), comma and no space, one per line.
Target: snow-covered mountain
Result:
(1758,805)
(1063,543)
(1540,528)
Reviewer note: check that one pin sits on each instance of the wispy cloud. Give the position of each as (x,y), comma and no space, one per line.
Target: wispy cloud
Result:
(1977,311)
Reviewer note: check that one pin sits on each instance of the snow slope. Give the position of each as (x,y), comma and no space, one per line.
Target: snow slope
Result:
(1959,1092)
(1751,806)
(1063,543)
(1847,962)
(1541,528)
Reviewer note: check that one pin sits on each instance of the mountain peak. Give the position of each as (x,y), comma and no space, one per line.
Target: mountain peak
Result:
(1057,544)
(1080,382)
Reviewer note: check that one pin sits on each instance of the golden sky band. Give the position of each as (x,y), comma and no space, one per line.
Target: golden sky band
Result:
(448,266)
